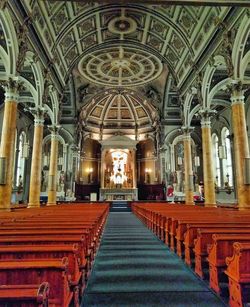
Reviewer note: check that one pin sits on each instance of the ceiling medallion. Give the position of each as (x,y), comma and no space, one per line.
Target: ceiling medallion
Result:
(120,66)
(122,25)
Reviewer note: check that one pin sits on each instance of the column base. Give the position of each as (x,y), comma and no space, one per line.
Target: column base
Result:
(33,205)
(245,207)
(210,205)
(6,209)
(189,203)
(51,204)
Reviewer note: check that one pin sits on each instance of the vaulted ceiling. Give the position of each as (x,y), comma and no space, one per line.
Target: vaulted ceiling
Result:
(147,49)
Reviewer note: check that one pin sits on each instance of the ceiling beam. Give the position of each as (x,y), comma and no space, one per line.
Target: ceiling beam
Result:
(245,3)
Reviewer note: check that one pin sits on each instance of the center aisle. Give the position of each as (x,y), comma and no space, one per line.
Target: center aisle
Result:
(133,268)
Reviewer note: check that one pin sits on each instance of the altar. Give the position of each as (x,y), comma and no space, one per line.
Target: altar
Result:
(118,194)
(118,175)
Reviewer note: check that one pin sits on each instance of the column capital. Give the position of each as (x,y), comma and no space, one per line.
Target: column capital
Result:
(236,88)
(39,113)
(12,88)
(54,129)
(186,130)
(206,115)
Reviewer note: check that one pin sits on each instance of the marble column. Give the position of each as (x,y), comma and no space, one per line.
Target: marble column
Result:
(36,162)
(241,148)
(189,186)
(53,166)
(208,170)
(8,142)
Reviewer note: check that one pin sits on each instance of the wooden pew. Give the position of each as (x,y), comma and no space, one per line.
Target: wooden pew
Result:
(179,224)
(36,271)
(76,262)
(24,295)
(191,234)
(222,247)
(44,230)
(205,238)
(238,272)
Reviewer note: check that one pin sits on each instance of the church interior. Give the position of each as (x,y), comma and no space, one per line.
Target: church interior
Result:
(124,153)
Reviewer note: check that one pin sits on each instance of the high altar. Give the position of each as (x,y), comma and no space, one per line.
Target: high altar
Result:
(118,169)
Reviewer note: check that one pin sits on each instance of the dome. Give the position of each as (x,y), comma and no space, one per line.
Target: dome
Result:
(115,109)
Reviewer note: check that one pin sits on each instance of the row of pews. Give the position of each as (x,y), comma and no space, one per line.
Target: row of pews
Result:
(46,254)
(214,241)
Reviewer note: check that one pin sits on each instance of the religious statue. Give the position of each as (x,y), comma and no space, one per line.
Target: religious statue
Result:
(61,182)
(20,185)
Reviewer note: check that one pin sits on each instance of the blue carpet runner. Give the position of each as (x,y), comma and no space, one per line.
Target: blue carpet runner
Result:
(119,206)
(133,268)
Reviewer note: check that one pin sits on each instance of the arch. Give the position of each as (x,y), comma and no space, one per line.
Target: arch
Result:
(30,87)
(23,151)
(239,46)
(59,137)
(12,41)
(227,157)
(55,105)
(216,160)
(193,112)
(186,109)
(220,86)
(243,67)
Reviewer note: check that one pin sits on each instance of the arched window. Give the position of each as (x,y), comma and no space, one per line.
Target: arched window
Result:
(227,158)
(216,160)
(22,154)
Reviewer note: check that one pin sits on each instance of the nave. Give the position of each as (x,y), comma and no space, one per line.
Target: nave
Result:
(134,268)
(160,254)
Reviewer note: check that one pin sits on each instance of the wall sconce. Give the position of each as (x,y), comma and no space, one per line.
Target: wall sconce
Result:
(247,171)
(179,160)
(222,152)
(197,161)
